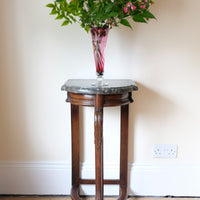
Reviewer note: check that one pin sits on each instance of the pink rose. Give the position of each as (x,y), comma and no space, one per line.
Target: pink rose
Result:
(125,9)
(143,6)
(133,7)
(128,4)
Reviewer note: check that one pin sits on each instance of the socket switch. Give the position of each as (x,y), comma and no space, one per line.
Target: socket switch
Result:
(165,150)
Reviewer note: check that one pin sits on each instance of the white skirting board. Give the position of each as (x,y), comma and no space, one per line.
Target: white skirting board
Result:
(47,178)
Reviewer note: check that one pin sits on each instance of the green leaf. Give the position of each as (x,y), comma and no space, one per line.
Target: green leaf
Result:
(125,22)
(65,23)
(59,0)
(148,14)
(53,12)
(139,18)
(113,14)
(72,18)
(59,17)
(50,5)
(87,28)
(108,8)
(121,16)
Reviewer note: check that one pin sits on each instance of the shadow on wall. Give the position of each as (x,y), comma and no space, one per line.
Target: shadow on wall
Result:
(15,144)
(13,128)
(148,106)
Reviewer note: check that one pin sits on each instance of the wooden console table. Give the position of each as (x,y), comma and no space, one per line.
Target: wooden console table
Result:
(82,92)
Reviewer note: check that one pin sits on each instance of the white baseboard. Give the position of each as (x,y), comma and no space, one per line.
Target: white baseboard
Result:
(35,178)
(165,179)
(46,178)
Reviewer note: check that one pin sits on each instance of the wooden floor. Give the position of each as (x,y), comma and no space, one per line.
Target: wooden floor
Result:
(90,198)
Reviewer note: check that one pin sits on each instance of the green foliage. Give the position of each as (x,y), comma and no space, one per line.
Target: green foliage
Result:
(139,18)
(101,13)
(125,22)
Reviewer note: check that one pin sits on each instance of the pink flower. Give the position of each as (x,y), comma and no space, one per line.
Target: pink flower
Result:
(112,0)
(143,6)
(133,7)
(128,4)
(125,9)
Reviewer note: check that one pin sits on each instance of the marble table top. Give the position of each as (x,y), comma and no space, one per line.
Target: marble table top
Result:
(89,86)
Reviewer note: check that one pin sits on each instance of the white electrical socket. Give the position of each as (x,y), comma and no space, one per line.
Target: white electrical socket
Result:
(165,150)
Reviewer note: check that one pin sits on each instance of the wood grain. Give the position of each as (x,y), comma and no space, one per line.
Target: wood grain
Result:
(90,198)
(75,152)
(98,134)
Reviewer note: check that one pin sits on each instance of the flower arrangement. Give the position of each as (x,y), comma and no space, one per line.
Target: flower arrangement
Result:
(101,13)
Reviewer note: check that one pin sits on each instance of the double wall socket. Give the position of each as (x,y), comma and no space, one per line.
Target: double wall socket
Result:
(165,150)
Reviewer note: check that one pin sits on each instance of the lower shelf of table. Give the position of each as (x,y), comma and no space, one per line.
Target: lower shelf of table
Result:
(93,181)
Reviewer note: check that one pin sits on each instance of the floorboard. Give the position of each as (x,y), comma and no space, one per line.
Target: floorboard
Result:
(88,198)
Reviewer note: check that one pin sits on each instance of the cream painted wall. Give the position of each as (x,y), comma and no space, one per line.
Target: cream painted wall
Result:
(37,56)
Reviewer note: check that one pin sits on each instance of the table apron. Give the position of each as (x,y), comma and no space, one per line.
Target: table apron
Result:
(108,100)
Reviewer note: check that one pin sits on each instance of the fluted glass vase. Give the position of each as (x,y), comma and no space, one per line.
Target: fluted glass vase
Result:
(99,39)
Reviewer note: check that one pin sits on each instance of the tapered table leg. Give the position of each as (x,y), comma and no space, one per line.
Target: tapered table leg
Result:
(98,135)
(75,152)
(124,152)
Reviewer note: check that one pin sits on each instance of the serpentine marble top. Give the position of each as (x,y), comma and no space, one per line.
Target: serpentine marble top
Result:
(110,86)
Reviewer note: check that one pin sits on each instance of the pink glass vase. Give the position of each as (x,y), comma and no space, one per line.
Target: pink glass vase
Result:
(99,39)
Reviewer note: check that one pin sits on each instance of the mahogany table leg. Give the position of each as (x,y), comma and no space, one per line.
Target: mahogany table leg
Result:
(98,134)
(75,152)
(124,152)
